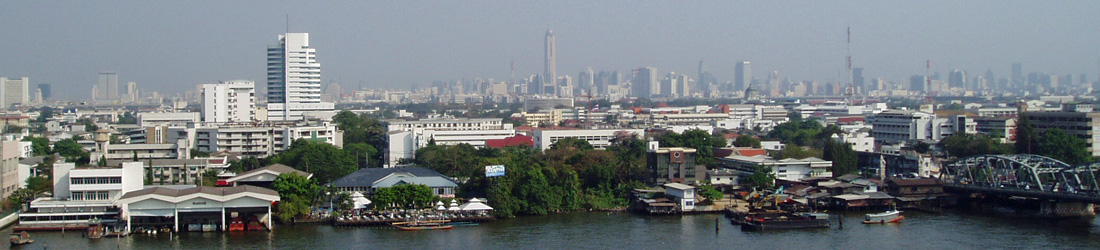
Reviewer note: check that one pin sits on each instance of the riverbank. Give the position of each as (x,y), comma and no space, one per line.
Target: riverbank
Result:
(952,229)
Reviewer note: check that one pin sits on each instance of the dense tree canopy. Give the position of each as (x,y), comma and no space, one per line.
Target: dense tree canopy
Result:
(970,145)
(1057,144)
(39,145)
(746,141)
(365,130)
(796,152)
(297,193)
(563,178)
(325,161)
(404,196)
(72,151)
(700,140)
(843,157)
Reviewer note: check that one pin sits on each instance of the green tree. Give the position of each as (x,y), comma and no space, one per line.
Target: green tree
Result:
(39,145)
(571,143)
(762,177)
(362,152)
(295,184)
(796,152)
(209,178)
(363,129)
(843,157)
(404,196)
(1026,141)
(922,147)
(325,161)
(195,153)
(1057,144)
(72,151)
(44,114)
(709,192)
(967,145)
(40,184)
(700,140)
(746,141)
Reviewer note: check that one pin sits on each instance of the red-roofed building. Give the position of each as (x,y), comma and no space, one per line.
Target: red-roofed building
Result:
(518,140)
(849,120)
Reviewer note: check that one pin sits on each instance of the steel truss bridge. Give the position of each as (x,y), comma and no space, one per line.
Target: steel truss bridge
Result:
(1024,175)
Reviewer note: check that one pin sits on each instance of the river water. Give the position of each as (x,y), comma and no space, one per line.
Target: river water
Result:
(949,230)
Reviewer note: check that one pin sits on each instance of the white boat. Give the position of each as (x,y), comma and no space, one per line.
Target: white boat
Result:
(891,216)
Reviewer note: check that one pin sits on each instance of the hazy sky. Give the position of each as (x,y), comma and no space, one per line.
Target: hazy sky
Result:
(171,46)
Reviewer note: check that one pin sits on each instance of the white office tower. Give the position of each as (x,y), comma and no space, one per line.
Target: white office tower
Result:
(294,79)
(14,91)
(231,101)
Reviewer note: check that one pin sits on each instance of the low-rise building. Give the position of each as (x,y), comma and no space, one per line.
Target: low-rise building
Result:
(81,194)
(672,165)
(1076,124)
(784,169)
(369,180)
(683,195)
(265,176)
(598,138)
(196,207)
(406,137)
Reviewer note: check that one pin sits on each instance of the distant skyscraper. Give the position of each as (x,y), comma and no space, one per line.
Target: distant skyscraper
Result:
(742,76)
(132,94)
(1017,75)
(587,82)
(957,79)
(14,91)
(107,89)
(606,78)
(668,86)
(858,82)
(644,84)
(232,101)
(47,93)
(551,57)
(293,79)
(916,83)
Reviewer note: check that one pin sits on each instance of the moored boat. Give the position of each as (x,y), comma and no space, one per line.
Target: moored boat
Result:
(786,221)
(21,238)
(423,225)
(891,216)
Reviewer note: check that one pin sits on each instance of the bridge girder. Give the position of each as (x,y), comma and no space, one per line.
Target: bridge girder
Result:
(1023,171)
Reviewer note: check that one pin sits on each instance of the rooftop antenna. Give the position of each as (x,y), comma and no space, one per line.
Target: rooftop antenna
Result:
(512,76)
(287,23)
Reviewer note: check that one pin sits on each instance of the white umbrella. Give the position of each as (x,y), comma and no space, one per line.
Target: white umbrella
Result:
(358,201)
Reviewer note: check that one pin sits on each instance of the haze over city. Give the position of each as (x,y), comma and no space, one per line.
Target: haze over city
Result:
(171,47)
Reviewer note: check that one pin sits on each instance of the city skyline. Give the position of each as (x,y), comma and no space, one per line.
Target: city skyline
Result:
(396,45)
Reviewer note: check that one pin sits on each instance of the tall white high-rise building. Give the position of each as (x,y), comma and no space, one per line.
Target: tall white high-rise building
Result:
(293,79)
(551,73)
(230,101)
(14,90)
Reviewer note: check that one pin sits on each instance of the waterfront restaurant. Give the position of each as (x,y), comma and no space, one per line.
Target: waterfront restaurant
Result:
(204,206)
